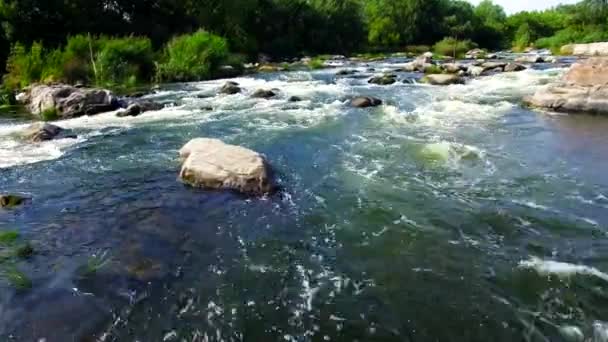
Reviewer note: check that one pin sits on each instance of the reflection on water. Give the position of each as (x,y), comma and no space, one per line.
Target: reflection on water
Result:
(447,214)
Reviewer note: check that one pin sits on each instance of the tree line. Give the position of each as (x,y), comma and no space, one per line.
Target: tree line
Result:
(279,28)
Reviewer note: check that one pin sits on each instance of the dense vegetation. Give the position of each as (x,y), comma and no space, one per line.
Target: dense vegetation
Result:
(126,42)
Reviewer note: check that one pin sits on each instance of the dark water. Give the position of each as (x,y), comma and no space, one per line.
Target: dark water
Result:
(448,214)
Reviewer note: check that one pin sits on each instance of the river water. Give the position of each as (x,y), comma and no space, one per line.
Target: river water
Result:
(447,214)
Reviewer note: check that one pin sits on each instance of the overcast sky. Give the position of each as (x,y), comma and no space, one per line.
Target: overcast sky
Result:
(512,6)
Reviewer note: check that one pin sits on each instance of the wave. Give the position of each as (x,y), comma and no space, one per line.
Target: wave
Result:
(561,269)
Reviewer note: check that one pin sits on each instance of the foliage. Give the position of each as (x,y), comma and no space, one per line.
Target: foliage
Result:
(453,47)
(49,114)
(127,60)
(192,57)
(317,63)
(8,237)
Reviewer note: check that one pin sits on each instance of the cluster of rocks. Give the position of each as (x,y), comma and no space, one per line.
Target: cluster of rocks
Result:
(231,88)
(61,101)
(583,89)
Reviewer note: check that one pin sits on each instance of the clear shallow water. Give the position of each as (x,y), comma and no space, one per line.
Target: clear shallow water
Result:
(448,214)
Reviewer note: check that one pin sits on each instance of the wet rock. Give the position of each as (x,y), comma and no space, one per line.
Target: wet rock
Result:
(475,71)
(66,101)
(475,54)
(11,201)
(268,68)
(43,131)
(295,99)
(531,59)
(409,81)
(383,80)
(442,79)
(263,94)
(365,102)
(207,108)
(453,68)
(212,164)
(230,88)
(513,67)
(346,72)
(583,89)
(138,108)
(496,66)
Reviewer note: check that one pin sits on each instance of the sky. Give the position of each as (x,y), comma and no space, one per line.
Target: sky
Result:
(513,6)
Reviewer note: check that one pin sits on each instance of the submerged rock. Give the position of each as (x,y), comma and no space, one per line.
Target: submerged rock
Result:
(295,99)
(230,88)
(442,79)
(365,102)
(65,101)
(583,89)
(212,164)
(138,108)
(11,201)
(346,72)
(383,80)
(43,131)
(263,94)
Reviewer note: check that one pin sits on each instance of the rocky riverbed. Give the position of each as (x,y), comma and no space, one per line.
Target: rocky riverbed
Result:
(404,211)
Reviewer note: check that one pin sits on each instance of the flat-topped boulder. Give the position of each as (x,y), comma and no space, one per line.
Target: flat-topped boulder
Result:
(593,49)
(65,101)
(583,89)
(213,164)
(442,79)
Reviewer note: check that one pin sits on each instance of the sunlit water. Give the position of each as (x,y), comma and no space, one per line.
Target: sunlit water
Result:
(447,214)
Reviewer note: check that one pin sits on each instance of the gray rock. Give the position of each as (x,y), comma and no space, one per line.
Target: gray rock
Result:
(68,101)
(263,94)
(383,80)
(212,164)
(230,88)
(365,102)
(512,67)
(530,59)
(42,131)
(295,99)
(138,108)
(453,68)
(442,79)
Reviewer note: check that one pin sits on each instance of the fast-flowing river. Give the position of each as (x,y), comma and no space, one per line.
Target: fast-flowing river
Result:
(446,214)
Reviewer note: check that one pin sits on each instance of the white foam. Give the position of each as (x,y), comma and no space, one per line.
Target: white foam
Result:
(561,269)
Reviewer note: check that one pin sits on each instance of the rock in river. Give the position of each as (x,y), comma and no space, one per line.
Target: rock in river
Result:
(584,89)
(138,108)
(42,131)
(365,101)
(263,94)
(67,101)
(11,201)
(212,164)
(383,80)
(512,67)
(230,88)
(442,79)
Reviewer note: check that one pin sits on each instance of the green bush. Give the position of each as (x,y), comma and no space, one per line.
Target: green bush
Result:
(49,114)
(417,49)
(452,46)
(571,35)
(192,57)
(127,61)
(316,63)
(24,66)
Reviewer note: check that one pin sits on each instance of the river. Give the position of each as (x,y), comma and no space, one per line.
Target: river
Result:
(446,214)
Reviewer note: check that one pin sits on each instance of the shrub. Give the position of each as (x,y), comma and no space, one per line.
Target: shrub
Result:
(49,114)
(316,63)
(124,60)
(192,57)
(24,66)
(452,46)
(417,49)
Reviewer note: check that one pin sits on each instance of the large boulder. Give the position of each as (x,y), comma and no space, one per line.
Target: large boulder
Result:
(512,67)
(453,68)
(583,89)
(593,49)
(138,108)
(230,88)
(530,59)
(66,101)
(494,66)
(42,131)
(212,164)
(475,54)
(11,201)
(365,102)
(263,94)
(442,79)
(383,79)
